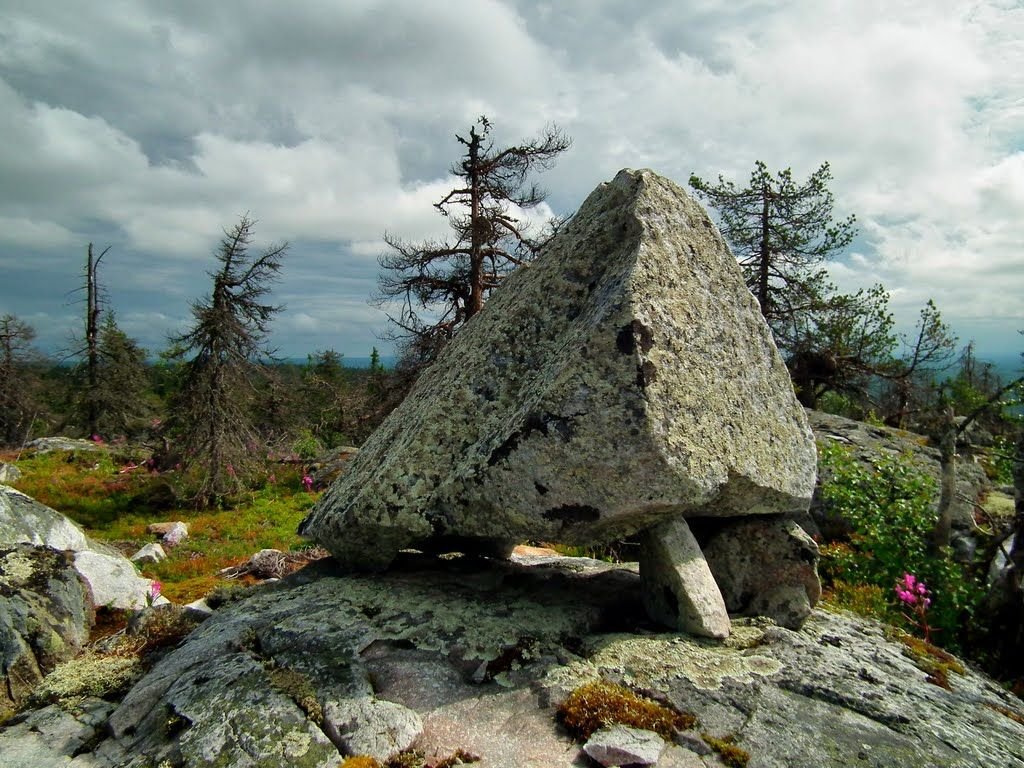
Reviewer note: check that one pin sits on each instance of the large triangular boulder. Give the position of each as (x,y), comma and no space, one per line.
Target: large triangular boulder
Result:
(622,382)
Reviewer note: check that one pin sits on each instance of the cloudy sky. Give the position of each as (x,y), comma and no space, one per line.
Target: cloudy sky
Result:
(152,126)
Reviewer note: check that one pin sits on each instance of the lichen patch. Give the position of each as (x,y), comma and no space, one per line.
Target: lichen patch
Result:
(652,662)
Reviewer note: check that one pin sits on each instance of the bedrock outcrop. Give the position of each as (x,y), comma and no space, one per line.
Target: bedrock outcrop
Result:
(476,654)
(623,380)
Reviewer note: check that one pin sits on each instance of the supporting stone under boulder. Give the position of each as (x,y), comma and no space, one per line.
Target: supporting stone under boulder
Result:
(623,381)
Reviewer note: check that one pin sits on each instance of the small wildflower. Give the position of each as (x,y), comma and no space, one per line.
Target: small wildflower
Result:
(307,483)
(155,588)
(915,595)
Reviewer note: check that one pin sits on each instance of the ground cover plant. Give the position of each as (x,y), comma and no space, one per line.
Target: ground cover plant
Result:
(114,497)
(889,509)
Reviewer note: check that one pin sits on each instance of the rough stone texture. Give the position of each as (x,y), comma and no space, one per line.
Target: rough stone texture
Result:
(52,737)
(765,566)
(329,467)
(620,745)
(678,587)
(45,616)
(175,534)
(623,379)
(25,520)
(151,553)
(112,580)
(368,726)
(482,651)
(52,578)
(48,444)
(8,473)
(868,442)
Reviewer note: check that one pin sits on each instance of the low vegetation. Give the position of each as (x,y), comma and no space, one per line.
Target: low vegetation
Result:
(600,704)
(115,497)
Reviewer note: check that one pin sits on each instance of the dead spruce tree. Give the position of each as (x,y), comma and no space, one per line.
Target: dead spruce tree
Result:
(441,285)
(109,395)
(211,423)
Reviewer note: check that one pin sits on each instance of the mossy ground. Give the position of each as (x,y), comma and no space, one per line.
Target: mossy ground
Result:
(599,704)
(411,758)
(728,752)
(114,503)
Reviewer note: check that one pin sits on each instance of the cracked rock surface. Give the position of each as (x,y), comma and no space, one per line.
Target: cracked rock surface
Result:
(475,654)
(624,379)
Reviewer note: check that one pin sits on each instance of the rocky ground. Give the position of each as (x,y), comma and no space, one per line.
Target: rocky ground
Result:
(476,655)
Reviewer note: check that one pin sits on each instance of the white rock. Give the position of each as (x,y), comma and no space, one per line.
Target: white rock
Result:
(112,581)
(621,745)
(176,534)
(151,553)
(9,473)
(25,520)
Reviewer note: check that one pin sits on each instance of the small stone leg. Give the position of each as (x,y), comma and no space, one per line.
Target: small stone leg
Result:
(677,585)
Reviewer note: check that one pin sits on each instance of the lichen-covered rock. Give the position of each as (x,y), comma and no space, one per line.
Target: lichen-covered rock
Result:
(55,736)
(45,616)
(481,652)
(23,520)
(620,745)
(765,566)
(679,588)
(623,379)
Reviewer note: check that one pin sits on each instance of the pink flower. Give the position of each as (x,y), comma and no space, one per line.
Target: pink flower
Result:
(154,592)
(96,438)
(307,482)
(915,595)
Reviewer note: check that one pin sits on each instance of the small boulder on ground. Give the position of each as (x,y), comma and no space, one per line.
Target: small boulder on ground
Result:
(52,580)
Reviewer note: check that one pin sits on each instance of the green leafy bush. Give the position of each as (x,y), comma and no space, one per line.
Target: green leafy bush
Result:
(889,508)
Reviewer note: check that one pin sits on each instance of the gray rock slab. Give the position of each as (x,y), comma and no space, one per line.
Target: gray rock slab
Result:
(620,745)
(483,651)
(45,616)
(49,444)
(625,378)
(9,473)
(51,737)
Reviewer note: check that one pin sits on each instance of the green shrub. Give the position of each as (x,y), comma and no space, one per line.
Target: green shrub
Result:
(889,508)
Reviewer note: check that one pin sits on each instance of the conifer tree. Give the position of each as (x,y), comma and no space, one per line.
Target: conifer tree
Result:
(17,382)
(211,416)
(441,285)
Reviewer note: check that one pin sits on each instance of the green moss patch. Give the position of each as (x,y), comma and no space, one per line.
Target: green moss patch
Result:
(601,704)
(725,747)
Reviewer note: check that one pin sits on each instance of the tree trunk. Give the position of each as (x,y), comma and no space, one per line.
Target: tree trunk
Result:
(476,256)
(92,321)
(762,275)
(947,458)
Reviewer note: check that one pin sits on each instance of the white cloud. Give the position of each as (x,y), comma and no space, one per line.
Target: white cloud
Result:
(153,126)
